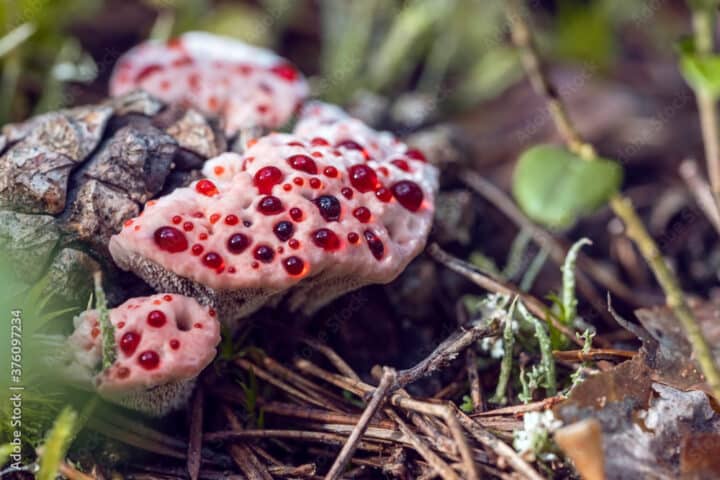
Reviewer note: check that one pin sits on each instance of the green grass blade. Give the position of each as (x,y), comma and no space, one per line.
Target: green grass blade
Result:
(57,444)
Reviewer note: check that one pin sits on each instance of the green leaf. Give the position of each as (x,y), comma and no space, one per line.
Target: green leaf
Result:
(56,444)
(555,187)
(701,71)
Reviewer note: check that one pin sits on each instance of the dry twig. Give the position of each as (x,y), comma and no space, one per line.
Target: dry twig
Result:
(349,448)
(194,448)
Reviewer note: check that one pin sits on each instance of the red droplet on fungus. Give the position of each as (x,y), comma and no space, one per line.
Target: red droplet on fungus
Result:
(149,360)
(264,253)
(170,239)
(363,178)
(408,194)
(238,243)
(383,194)
(129,342)
(303,163)
(362,214)
(294,265)
(374,244)
(270,205)
(326,239)
(266,178)
(206,187)
(212,260)
(416,154)
(156,319)
(285,71)
(296,214)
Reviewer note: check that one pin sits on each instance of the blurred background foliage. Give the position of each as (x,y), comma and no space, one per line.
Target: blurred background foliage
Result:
(450,54)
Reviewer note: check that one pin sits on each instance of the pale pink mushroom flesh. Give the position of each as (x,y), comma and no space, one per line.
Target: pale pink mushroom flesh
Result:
(245,86)
(314,214)
(163,343)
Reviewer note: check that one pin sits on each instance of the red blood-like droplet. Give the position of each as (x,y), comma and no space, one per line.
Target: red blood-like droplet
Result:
(197,249)
(176,219)
(363,178)
(298,181)
(214,218)
(167,298)
(206,187)
(408,194)
(264,253)
(294,243)
(266,178)
(283,230)
(329,207)
(188,226)
(296,214)
(156,319)
(362,214)
(238,243)
(401,164)
(353,237)
(330,172)
(383,194)
(315,183)
(270,205)
(319,142)
(347,192)
(212,260)
(231,219)
(350,145)
(212,312)
(416,154)
(149,360)
(303,163)
(170,239)
(294,265)
(374,244)
(129,342)
(94,332)
(174,344)
(285,71)
(326,239)
(147,71)
(123,372)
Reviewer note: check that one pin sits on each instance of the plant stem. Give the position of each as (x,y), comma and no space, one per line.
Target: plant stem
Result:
(703,20)
(622,206)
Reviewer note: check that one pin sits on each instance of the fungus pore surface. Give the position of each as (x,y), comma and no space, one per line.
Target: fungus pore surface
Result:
(245,86)
(311,215)
(163,343)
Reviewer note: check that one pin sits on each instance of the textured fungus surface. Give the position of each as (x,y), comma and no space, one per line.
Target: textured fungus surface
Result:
(163,343)
(325,210)
(245,86)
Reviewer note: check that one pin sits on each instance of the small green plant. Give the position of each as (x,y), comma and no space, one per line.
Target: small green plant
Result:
(107,330)
(506,364)
(576,378)
(57,443)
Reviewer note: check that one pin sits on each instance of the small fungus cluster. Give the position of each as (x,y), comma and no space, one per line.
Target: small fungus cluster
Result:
(301,217)
(163,342)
